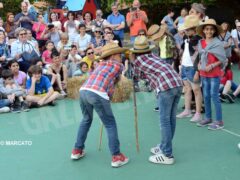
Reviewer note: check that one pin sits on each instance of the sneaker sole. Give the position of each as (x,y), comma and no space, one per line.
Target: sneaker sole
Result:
(78,157)
(188,116)
(216,128)
(119,165)
(205,125)
(230,99)
(166,163)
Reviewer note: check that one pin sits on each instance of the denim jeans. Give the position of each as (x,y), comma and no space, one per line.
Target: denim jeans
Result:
(4,102)
(210,91)
(88,102)
(168,102)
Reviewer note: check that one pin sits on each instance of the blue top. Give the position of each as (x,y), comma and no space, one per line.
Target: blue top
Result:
(169,21)
(112,19)
(40,87)
(180,21)
(25,24)
(94,42)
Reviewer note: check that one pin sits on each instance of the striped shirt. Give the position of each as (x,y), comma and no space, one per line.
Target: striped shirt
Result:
(102,79)
(161,75)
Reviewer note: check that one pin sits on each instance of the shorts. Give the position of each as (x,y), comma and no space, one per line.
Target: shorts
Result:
(187,73)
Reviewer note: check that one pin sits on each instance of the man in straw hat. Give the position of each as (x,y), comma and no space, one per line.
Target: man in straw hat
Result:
(189,73)
(212,60)
(95,94)
(165,80)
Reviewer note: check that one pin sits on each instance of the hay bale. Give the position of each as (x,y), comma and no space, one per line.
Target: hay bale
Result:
(123,90)
(73,86)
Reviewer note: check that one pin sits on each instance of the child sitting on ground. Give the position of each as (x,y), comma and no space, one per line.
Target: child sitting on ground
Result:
(13,92)
(39,88)
(82,71)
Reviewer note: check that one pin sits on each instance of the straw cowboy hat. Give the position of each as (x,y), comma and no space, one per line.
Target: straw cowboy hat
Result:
(111,49)
(190,21)
(141,45)
(155,32)
(209,22)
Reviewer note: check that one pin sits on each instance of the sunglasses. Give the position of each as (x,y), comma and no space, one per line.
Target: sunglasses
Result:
(89,53)
(97,31)
(22,34)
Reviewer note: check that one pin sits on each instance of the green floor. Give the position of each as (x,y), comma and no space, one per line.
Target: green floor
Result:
(200,154)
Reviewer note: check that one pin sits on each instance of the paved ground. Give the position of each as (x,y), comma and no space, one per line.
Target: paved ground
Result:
(200,153)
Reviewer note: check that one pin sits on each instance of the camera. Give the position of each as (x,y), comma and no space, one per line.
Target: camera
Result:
(133,9)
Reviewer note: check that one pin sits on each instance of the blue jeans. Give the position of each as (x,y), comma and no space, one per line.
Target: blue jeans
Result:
(88,102)
(4,102)
(188,73)
(168,102)
(210,91)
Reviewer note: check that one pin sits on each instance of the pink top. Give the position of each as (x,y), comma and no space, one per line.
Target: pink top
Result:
(47,56)
(41,29)
(20,78)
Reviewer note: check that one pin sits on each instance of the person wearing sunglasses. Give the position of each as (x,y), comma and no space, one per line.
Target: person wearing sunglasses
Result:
(97,41)
(20,47)
(109,36)
(90,56)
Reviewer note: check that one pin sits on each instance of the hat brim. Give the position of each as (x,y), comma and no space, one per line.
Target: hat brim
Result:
(157,35)
(200,28)
(184,28)
(151,47)
(112,52)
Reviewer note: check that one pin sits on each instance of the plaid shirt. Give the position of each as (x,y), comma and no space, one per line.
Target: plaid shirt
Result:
(104,76)
(161,75)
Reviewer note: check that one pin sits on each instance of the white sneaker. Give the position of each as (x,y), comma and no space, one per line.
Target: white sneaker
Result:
(196,118)
(161,159)
(4,109)
(156,150)
(119,160)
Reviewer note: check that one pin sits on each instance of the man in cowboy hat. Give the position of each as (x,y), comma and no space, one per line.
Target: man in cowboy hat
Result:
(189,69)
(95,94)
(165,80)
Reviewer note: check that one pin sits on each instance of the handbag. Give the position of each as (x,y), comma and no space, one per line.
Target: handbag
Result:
(29,56)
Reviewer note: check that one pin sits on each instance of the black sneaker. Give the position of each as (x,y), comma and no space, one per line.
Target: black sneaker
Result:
(15,109)
(156,109)
(34,105)
(223,98)
(52,103)
(24,107)
(231,98)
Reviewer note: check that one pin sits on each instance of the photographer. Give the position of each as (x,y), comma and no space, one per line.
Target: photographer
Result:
(52,33)
(136,19)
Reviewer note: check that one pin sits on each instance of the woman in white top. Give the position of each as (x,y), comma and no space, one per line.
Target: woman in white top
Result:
(71,26)
(53,19)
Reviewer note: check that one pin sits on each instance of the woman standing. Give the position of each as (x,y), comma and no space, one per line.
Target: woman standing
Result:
(10,27)
(212,58)
(71,26)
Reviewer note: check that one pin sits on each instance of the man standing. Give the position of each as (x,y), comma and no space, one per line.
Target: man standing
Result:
(24,19)
(117,22)
(95,94)
(165,80)
(136,20)
(168,20)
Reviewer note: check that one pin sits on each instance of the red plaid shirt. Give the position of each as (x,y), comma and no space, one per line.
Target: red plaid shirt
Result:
(103,77)
(161,75)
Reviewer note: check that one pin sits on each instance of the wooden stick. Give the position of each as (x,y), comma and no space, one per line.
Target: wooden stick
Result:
(100,138)
(135,118)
